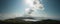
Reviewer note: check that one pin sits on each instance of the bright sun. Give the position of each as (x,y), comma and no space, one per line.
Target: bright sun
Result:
(29,2)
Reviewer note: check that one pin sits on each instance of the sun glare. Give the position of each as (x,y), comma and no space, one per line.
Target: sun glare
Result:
(29,2)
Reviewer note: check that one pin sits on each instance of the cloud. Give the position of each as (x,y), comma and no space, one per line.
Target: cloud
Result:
(36,5)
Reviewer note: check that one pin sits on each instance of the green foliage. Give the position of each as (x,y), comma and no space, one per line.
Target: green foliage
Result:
(50,22)
(14,21)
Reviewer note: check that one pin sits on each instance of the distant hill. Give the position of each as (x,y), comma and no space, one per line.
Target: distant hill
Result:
(20,21)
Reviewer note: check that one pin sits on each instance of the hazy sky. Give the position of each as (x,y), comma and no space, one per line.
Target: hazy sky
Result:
(13,7)
(52,6)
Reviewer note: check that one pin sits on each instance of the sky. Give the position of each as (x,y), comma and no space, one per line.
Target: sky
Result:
(52,7)
(16,8)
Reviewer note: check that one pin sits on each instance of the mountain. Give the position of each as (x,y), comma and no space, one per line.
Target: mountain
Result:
(20,20)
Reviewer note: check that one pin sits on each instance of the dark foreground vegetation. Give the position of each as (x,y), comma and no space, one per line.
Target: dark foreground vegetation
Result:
(13,21)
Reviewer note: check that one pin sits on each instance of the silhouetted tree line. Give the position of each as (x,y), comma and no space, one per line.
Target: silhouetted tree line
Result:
(14,21)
